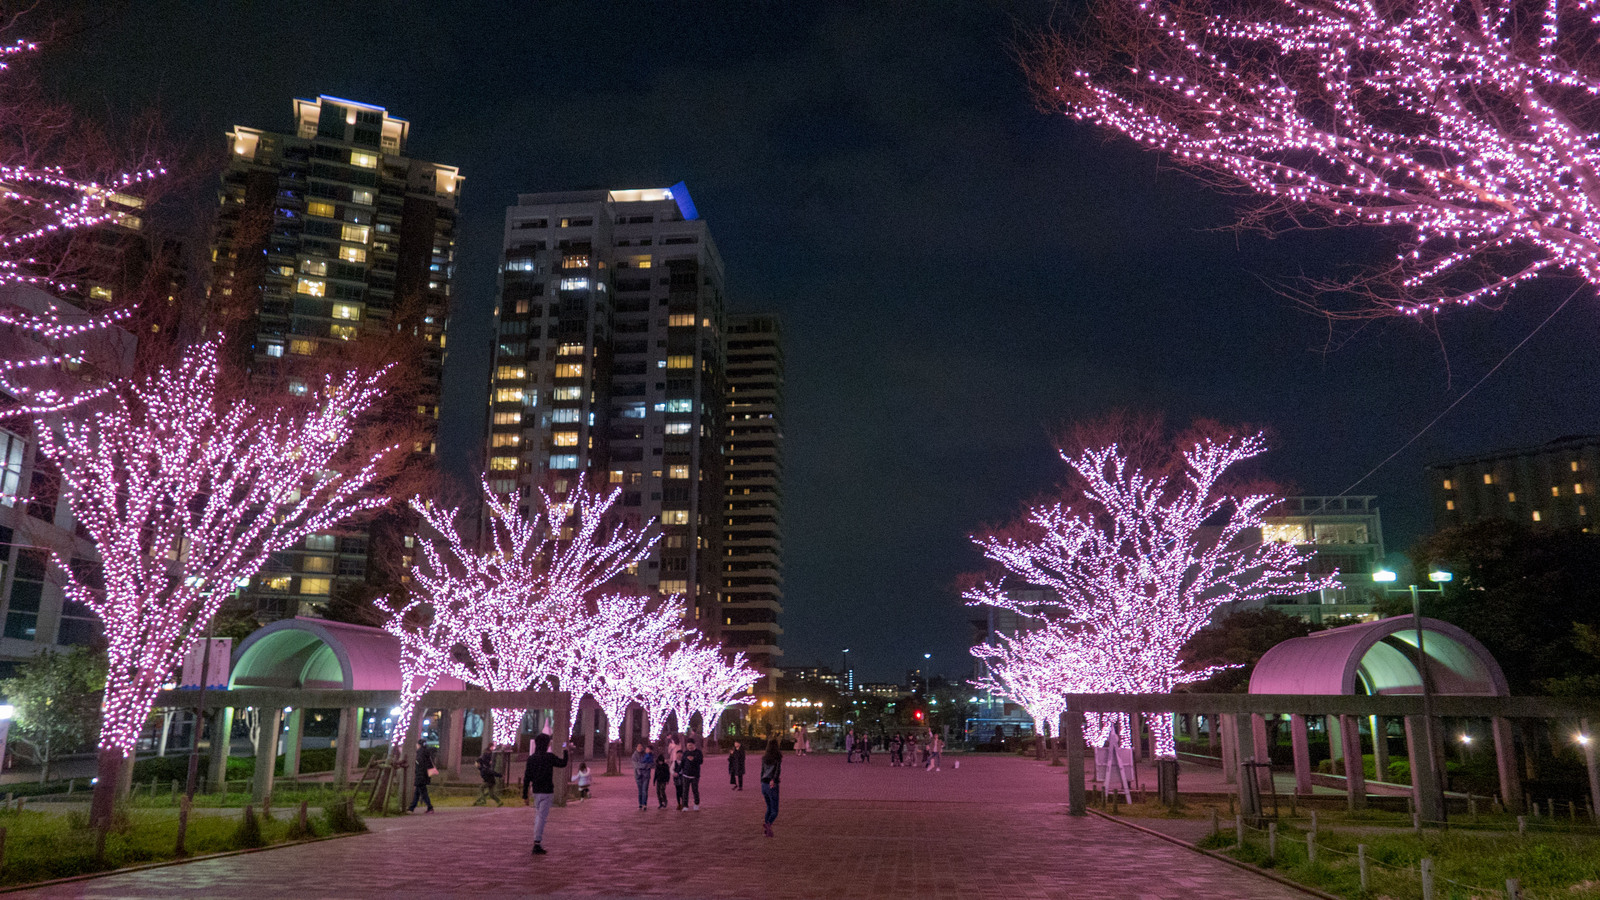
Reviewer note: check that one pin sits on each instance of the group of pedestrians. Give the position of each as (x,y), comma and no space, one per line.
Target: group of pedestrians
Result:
(903,749)
(679,762)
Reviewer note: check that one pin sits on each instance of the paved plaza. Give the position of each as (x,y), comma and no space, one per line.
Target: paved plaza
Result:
(996,828)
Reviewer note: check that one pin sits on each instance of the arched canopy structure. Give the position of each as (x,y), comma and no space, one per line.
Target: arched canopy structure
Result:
(316,653)
(1379,658)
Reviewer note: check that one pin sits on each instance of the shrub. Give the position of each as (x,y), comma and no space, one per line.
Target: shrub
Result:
(341,817)
(248,835)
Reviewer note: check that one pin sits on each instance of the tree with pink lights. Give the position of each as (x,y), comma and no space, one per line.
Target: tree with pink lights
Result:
(1467,126)
(186,493)
(620,629)
(724,682)
(505,613)
(1140,558)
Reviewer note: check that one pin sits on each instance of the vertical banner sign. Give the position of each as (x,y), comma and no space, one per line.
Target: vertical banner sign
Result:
(221,665)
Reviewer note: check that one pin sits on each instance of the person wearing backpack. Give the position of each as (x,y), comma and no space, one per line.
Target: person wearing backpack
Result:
(490,778)
(771,774)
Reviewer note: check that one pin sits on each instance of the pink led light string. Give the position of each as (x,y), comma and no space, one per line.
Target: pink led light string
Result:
(1467,125)
(1137,564)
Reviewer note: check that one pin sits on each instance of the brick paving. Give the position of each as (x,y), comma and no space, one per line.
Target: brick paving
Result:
(995,828)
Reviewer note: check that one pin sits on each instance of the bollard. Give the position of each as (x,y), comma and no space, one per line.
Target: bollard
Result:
(1522,826)
(1513,888)
(174,790)
(183,828)
(1472,807)
(304,825)
(1572,812)
(70,782)
(1361,866)
(1427,878)
(1311,847)
(1214,826)
(1272,842)
(1416,823)
(1313,820)
(1238,830)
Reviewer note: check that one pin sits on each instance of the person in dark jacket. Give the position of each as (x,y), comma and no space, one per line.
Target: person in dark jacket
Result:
(538,779)
(663,777)
(490,779)
(771,774)
(693,759)
(644,765)
(736,766)
(420,778)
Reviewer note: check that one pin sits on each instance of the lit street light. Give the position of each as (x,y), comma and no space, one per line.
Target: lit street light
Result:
(1438,577)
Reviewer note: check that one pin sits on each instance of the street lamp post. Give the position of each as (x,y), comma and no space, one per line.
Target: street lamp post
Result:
(1439,577)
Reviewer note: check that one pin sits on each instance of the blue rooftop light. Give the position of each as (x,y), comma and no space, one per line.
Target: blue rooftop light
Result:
(680,193)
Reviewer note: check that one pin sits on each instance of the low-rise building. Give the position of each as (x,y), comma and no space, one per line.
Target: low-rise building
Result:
(1547,486)
(1345,535)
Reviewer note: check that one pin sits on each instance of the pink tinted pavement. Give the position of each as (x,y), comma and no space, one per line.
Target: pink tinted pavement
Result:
(994,828)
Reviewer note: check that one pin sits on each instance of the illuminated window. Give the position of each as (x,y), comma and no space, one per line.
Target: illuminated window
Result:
(1577,488)
(318,564)
(1487,478)
(569,370)
(574,284)
(364,198)
(1582,510)
(570,350)
(1536,515)
(674,586)
(353,254)
(677,471)
(1574,465)
(1283,532)
(503,463)
(564,438)
(1447,485)
(508,395)
(505,440)
(678,427)
(1555,491)
(680,406)
(343,332)
(302,347)
(274,349)
(349,311)
(681,319)
(564,415)
(511,373)
(521,264)
(275,583)
(616,476)
(1511,496)
(311,287)
(675,517)
(575,261)
(297,388)
(100,293)
(364,160)
(508,418)
(356,234)
(322,208)
(680,362)
(315,585)
(568,393)
(1449,504)
(314,266)
(564,461)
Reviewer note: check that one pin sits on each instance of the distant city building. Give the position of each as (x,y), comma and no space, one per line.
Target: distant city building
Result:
(331,234)
(880,689)
(796,675)
(752,577)
(609,365)
(1549,486)
(1343,534)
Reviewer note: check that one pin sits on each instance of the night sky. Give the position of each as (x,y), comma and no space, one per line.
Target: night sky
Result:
(958,275)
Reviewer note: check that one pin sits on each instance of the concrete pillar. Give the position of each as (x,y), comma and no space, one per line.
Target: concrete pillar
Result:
(1355,784)
(453,731)
(221,737)
(586,728)
(1335,740)
(166,731)
(1300,743)
(1380,748)
(1249,795)
(1072,732)
(1263,751)
(1213,734)
(1425,787)
(560,732)
(1505,761)
(291,742)
(1230,756)
(347,749)
(271,726)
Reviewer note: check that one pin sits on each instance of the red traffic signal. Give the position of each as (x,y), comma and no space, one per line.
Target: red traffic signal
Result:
(918,714)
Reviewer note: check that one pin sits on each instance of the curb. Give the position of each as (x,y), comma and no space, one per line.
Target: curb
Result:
(1221,857)
(70,879)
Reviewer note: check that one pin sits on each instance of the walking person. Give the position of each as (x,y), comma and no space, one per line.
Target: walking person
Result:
(663,776)
(736,766)
(850,746)
(693,759)
(538,778)
(644,765)
(771,774)
(935,750)
(423,775)
(897,749)
(583,780)
(490,779)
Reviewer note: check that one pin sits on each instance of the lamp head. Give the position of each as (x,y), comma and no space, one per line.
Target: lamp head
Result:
(1440,576)
(1383,576)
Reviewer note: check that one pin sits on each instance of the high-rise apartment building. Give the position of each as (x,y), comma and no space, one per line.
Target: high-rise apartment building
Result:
(609,365)
(331,234)
(752,565)
(1549,486)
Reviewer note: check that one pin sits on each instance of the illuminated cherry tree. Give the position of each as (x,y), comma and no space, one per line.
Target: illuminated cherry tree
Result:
(1139,562)
(186,493)
(1467,125)
(40,204)
(506,612)
(724,682)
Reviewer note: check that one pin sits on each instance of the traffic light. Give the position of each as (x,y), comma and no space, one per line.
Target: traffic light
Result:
(918,715)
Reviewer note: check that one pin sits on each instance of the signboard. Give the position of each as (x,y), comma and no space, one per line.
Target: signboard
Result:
(221,664)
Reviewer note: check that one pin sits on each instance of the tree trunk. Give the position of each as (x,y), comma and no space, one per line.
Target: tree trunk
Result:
(613,757)
(108,780)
